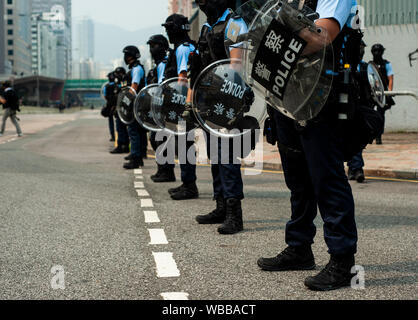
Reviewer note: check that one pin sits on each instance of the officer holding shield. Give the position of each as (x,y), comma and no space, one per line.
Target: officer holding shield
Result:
(227,179)
(135,79)
(313,162)
(177,27)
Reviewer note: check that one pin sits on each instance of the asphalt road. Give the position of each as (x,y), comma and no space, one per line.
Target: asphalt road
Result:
(65,201)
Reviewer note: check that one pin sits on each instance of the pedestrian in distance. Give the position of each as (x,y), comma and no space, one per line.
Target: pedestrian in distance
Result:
(10,102)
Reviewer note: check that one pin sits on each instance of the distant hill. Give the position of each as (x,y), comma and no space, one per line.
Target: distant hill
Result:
(110,40)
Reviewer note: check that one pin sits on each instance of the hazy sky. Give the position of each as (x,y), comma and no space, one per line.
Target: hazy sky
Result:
(127,14)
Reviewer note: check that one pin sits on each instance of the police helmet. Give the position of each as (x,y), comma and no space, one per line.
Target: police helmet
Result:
(120,70)
(159,39)
(132,51)
(177,23)
(378,47)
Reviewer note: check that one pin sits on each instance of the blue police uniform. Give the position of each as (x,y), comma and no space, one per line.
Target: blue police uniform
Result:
(313,163)
(136,133)
(227,178)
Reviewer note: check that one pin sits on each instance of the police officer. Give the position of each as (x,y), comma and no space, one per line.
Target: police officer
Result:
(313,163)
(177,28)
(135,78)
(121,128)
(356,165)
(10,102)
(159,47)
(227,179)
(109,92)
(386,73)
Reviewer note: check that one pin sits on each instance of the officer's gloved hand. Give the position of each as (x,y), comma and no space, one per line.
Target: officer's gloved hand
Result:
(188,114)
(248,98)
(291,19)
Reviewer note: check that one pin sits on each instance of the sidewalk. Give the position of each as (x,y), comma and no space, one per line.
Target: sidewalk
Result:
(396,158)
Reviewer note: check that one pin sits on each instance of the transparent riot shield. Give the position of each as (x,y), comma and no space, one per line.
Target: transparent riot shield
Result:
(223,104)
(142,108)
(377,87)
(125,105)
(286,57)
(169,107)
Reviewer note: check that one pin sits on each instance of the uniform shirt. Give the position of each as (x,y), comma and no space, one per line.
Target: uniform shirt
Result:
(160,70)
(341,10)
(105,87)
(137,74)
(389,69)
(182,56)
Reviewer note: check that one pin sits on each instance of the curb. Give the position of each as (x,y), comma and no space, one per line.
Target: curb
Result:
(381,173)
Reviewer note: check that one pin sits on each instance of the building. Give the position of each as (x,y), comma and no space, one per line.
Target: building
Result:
(2,39)
(395,25)
(44,44)
(17,20)
(184,7)
(61,21)
(84,64)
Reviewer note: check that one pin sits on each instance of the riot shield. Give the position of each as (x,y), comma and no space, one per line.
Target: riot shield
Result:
(142,108)
(286,57)
(377,87)
(125,105)
(169,106)
(223,103)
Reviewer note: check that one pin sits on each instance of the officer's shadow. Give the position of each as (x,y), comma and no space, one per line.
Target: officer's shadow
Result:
(279,224)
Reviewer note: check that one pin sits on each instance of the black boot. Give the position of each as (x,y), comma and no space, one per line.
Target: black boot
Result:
(167,175)
(359,176)
(120,149)
(233,222)
(291,259)
(128,158)
(187,191)
(159,172)
(175,190)
(351,174)
(337,274)
(134,163)
(215,217)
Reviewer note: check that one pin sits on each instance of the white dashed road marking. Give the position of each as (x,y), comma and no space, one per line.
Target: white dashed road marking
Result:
(147,203)
(139,185)
(175,296)
(138,171)
(166,266)
(142,193)
(157,236)
(151,217)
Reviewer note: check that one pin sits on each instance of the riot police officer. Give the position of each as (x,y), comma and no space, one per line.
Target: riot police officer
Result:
(135,78)
(110,94)
(121,128)
(386,73)
(313,162)
(356,165)
(177,27)
(159,47)
(227,180)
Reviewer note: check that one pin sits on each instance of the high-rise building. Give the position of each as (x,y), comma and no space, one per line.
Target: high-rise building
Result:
(2,39)
(61,9)
(83,47)
(44,44)
(183,7)
(17,19)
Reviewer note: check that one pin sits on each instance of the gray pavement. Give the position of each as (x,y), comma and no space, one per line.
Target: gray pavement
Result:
(64,200)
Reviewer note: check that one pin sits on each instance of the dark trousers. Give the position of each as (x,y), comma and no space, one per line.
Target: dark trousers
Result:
(136,135)
(187,166)
(382,112)
(112,127)
(357,162)
(123,136)
(313,164)
(227,177)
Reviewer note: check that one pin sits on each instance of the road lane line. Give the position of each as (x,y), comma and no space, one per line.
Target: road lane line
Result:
(151,217)
(166,266)
(138,171)
(139,177)
(139,185)
(142,193)
(147,203)
(175,296)
(157,236)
